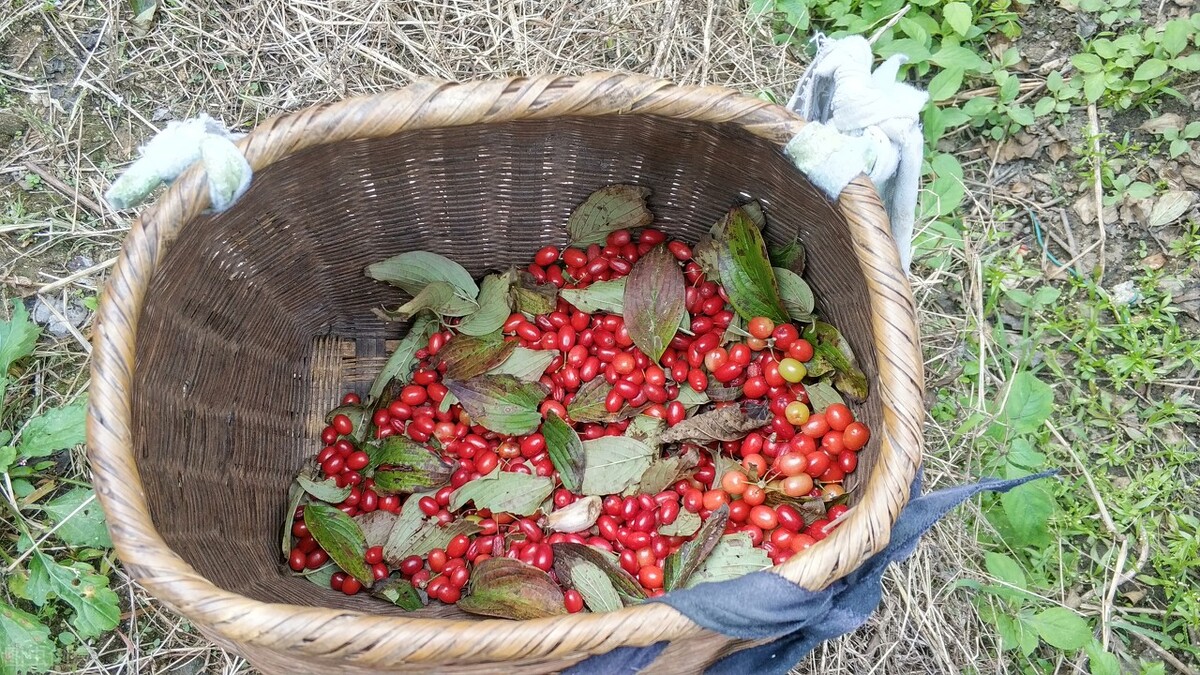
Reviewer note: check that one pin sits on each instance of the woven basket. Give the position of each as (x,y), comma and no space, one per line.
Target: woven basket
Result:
(222,339)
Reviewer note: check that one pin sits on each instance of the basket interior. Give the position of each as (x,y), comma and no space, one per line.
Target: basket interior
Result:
(260,318)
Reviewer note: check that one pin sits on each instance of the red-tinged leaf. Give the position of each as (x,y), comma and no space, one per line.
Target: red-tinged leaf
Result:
(588,405)
(611,208)
(341,538)
(466,356)
(405,466)
(682,564)
(724,424)
(376,526)
(664,472)
(655,301)
(568,554)
(565,450)
(511,589)
(501,403)
(745,269)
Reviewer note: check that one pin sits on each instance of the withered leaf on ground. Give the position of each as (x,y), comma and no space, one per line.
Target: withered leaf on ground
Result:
(726,424)
(511,589)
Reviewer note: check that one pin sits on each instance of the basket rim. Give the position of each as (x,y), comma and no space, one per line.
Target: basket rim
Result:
(370,640)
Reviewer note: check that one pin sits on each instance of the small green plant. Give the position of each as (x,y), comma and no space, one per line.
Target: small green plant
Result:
(1179,139)
(57,574)
(1136,68)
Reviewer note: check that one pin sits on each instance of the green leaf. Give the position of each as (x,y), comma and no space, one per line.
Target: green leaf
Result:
(376,526)
(647,429)
(565,450)
(1101,662)
(611,208)
(1189,63)
(790,256)
(821,396)
(79,519)
(504,492)
(1021,115)
(1062,628)
(511,589)
(1150,69)
(1094,86)
(530,297)
(685,525)
(692,399)
(945,84)
(1028,405)
(438,297)
(360,419)
(654,301)
(400,592)
(829,345)
(732,557)
(95,604)
(601,296)
(1175,36)
(326,490)
(319,577)
(1087,63)
(1005,569)
(1021,454)
(494,306)
(24,642)
(954,57)
(8,455)
(1044,106)
(296,494)
(599,593)
(17,337)
(404,531)
(400,364)
(466,356)
(958,16)
(1028,509)
(613,463)
(406,466)
(525,364)
(501,403)
(341,538)
(797,297)
(627,588)
(54,430)
(1016,634)
(416,270)
(745,268)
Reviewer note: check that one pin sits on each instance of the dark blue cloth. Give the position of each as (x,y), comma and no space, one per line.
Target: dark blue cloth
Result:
(765,605)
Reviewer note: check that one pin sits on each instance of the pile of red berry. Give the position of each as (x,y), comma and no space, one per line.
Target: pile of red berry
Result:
(780,483)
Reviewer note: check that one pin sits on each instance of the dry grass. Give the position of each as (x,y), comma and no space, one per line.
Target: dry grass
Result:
(90,87)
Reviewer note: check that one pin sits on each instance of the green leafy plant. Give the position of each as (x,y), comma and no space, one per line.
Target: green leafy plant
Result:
(1136,67)
(45,590)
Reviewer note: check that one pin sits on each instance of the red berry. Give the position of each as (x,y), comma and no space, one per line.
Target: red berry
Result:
(573,601)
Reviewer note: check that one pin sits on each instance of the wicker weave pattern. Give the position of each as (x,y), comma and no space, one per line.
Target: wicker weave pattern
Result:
(292,638)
